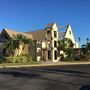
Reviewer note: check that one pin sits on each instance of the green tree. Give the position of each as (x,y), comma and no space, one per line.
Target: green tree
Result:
(87,39)
(66,45)
(9,47)
(86,50)
(79,39)
(15,42)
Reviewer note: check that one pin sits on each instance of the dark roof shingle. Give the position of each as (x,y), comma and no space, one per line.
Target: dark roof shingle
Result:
(38,35)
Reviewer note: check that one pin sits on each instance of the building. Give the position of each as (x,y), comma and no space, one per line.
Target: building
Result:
(7,34)
(45,41)
(67,33)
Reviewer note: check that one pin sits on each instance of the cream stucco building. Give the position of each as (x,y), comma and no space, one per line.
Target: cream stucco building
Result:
(45,41)
(67,33)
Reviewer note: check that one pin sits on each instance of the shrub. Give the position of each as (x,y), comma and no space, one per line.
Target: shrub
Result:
(62,57)
(28,57)
(8,59)
(84,58)
(77,57)
(18,59)
(69,58)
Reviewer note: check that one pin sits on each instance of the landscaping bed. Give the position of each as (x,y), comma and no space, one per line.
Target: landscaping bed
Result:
(15,64)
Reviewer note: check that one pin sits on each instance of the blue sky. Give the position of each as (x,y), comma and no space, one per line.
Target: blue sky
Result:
(28,15)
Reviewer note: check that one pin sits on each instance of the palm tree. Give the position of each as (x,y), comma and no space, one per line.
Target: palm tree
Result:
(86,50)
(69,43)
(22,41)
(69,48)
(66,45)
(17,43)
(8,47)
(79,39)
(87,40)
(61,45)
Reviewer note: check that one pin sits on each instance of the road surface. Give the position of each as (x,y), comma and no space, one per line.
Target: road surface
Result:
(73,77)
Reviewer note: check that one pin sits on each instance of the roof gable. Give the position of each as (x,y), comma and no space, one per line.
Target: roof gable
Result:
(69,33)
(11,33)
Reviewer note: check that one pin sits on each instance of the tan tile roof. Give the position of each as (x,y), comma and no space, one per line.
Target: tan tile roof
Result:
(38,35)
(11,33)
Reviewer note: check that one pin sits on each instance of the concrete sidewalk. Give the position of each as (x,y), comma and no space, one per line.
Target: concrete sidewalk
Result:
(43,64)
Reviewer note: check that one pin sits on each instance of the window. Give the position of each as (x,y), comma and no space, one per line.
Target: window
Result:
(38,50)
(48,32)
(70,32)
(55,43)
(49,44)
(49,35)
(55,34)
(55,54)
(49,54)
(37,42)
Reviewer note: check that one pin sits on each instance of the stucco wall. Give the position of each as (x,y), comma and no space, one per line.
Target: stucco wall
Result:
(43,45)
(54,28)
(68,35)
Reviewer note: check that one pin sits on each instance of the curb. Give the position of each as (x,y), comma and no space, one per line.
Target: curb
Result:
(44,65)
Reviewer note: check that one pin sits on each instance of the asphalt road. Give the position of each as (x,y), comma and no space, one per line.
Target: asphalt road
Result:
(75,77)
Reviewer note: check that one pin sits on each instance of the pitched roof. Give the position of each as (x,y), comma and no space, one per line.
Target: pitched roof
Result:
(50,24)
(61,35)
(62,28)
(11,33)
(62,32)
(38,35)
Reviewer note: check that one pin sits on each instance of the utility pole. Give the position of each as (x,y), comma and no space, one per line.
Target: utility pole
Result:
(79,39)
